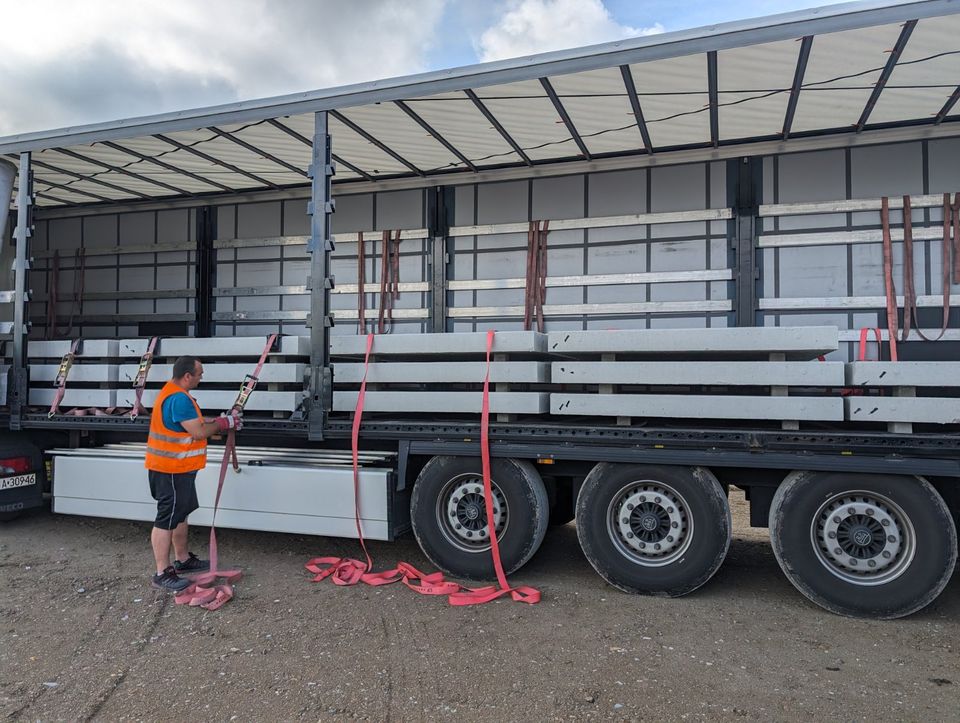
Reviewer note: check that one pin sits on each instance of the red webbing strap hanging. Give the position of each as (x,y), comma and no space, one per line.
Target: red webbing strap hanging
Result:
(909,289)
(79,274)
(910,294)
(140,381)
(385,267)
(542,274)
(361,284)
(202,593)
(53,281)
(346,571)
(395,267)
(889,288)
(522,593)
(864,337)
(956,238)
(60,381)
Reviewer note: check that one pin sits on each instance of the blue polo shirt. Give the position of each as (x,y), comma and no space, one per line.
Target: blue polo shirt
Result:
(177,408)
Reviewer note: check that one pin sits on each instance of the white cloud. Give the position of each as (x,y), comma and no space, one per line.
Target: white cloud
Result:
(106,59)
(537,26)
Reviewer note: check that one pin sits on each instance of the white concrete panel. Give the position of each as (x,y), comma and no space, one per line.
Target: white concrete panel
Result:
(903,374)
(458,343)
(697,373)
(443,402)
(922,410)
(683,406)
(442,372)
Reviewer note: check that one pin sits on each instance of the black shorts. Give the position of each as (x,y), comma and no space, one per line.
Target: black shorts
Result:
(176,496)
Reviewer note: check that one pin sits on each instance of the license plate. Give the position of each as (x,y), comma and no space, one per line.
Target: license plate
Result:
(20,480)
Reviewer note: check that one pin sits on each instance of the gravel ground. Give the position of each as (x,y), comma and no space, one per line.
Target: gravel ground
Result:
(82,635)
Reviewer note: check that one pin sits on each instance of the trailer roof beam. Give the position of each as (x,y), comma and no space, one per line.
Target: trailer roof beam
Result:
(375,141)
(89,179)
(164,164)
(435,134)
(307,142)
(948,106)
(497,125)
(631,89)
(887,71)
(712,87)
(77,191)
(260,152)
(806,43)
(124,172)
(565,117)
(216,161)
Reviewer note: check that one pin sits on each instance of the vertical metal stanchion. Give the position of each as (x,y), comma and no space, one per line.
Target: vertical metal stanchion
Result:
(18,391)
(321,282)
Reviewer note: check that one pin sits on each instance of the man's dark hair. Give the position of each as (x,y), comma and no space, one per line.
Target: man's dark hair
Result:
(184,365)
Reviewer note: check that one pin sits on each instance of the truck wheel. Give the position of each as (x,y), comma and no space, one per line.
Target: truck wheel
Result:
(863,545)
(653,530)
(450,521)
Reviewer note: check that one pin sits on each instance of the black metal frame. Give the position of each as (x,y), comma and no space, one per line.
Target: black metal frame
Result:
(306,141)
(124,172)
(216,161)
(258,151)
(168,166)
(892,61)
(565,117)
(205,269)
(745,184)
(497,125)
(714,97)
(806,43)
(435,134)
(375,141)
(631,89)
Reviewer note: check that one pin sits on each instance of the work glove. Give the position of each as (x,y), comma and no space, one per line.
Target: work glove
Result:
(230,420)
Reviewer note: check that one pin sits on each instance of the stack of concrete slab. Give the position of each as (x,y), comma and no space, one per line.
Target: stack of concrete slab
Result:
(724,374)
(104,371)
(226,362)
(91,381)
(442,373)
(904,393)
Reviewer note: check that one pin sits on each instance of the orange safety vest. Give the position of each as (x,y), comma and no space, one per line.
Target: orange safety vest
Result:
(170,451)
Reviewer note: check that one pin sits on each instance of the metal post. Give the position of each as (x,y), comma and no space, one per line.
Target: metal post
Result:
(438,219)
(18,391)
(744,173)
(321,208)
(206,270)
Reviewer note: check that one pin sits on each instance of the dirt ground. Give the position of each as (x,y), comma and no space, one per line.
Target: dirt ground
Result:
(82,636)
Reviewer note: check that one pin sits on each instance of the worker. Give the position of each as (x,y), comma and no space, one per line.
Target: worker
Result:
(176,451)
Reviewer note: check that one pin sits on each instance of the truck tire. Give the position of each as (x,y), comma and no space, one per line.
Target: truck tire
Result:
(651,529)
(863,545)
(450,523)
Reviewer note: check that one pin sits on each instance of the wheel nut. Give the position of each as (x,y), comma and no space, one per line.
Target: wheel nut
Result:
(886,554)
(674,525)
(469,534)
(872,563)
(656,546)
(837,551)
(836,519)
(453,514)
(853,561)
(657,500)
(869,512)
(643,545)
(642,498)
(891,538)
(482,533)
(629,505)
(851,510)
(669,510)
(669,538)
(458,527)
(629,535)
(625,520)
(885,523)
(832,535)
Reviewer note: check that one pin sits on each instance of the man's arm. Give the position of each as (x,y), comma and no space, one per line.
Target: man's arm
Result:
(198,428)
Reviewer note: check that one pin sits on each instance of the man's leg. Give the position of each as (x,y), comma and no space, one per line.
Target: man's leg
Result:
(180,542)
(160,540)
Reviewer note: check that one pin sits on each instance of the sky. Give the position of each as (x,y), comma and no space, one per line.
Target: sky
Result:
(68,63)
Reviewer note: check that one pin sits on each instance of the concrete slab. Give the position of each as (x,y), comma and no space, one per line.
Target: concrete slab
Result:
(99,398)
(698,406)
(733,373)
(443,372)
(455,343)
(215,347)
(92,373)
(272,372)
(213,402)
(921,410)
(903,374)
(89,349)
(798,343)
(444,402)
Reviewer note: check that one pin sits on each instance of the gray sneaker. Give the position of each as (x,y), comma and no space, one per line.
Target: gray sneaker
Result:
(169,581)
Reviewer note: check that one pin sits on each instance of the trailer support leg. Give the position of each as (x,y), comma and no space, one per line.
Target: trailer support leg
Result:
(321,209)
(18,392)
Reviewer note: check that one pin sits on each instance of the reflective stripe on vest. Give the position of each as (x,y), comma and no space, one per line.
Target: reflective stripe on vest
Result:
(168,450)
